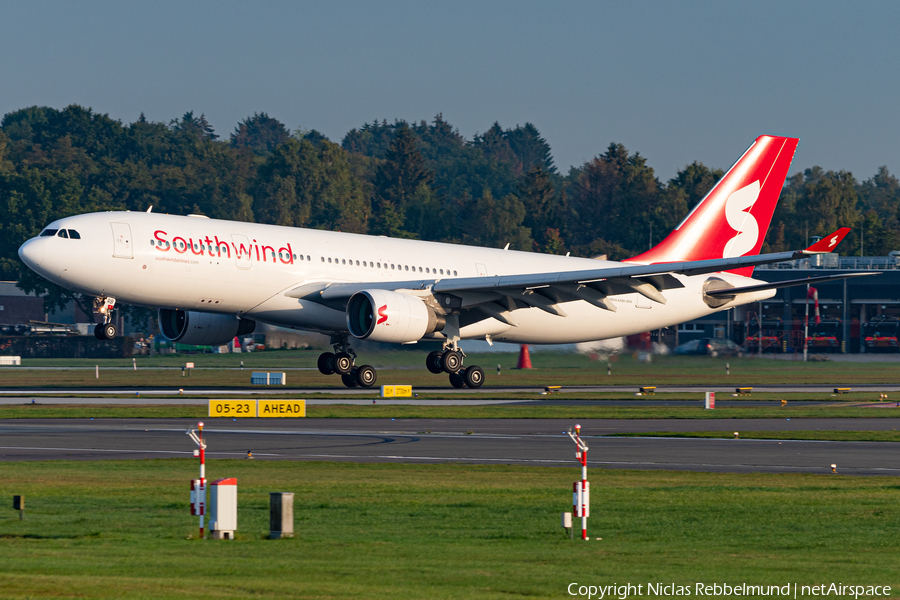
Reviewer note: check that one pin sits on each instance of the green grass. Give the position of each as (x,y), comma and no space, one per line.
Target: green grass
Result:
(551,368)
(120,529)
(377,411)
(833,436)
(867,397)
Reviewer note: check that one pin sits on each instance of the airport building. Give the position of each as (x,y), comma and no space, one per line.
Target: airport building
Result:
(18,307)
(850,310)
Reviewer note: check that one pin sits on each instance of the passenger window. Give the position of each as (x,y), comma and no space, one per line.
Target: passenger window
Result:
(49,232)
(454,273)
(63,234)
(357,263)
(74,235)
(152,242)
(420,269)
(442,271)
(329,261)
(323,259)
(343,262)
(379,265)
(407,267)
(307,257)
(392,267)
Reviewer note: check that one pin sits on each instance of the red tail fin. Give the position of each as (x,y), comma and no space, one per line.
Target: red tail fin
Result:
(733,218)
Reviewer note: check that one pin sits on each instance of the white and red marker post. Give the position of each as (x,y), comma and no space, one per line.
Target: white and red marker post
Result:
(581,491)
(198,486)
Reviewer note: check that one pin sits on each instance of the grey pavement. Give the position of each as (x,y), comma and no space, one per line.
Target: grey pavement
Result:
(538,442)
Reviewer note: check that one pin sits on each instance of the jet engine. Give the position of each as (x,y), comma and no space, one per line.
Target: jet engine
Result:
(201,328)
(385,316)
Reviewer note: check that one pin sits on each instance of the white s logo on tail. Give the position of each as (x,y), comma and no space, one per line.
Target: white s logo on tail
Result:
(737,214)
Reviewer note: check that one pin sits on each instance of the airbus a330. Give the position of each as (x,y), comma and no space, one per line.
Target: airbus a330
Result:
(212,280)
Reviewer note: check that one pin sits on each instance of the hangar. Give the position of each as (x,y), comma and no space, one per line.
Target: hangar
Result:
(846,307)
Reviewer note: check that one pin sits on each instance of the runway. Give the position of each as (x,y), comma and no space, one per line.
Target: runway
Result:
(525,442)
(724,390)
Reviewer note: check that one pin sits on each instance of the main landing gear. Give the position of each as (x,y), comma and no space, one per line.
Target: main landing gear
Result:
(343,362)
(104,307)
(450,360)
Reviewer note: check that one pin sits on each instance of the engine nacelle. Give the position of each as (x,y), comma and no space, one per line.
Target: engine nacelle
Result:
(385,316)
(201,328)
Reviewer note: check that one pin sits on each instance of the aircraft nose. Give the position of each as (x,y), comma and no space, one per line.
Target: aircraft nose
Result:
(32,253)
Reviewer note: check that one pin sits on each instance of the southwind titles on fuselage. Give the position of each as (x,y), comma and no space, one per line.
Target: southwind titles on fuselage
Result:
(213,247)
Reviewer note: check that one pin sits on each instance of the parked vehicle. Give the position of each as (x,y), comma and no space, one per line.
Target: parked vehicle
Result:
(710,347)
(880,334)
(825,336)
(772,332)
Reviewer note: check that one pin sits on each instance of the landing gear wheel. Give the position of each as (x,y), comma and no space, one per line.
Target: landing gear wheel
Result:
(457,381)
(326,363)
(451,361)
(366,376)
(433,362)
(473,376)
(350,379)
(343,363)
(105,331)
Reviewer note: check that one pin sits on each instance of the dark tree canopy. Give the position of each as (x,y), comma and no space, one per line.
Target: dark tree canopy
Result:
(415,179)
(196,126)
(259,132)
(399,180)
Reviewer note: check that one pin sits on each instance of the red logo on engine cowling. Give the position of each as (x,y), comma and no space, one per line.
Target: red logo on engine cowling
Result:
(382,315)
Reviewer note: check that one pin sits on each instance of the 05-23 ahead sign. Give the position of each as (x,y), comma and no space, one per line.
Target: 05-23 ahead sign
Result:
(257,408)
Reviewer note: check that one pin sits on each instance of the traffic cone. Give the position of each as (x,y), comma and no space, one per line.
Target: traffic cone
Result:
(524,358)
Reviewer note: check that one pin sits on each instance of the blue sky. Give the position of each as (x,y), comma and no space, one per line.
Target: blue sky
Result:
(675,81)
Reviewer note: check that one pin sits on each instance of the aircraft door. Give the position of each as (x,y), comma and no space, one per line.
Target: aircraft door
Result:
(482,270)
(241,251)
(122,243)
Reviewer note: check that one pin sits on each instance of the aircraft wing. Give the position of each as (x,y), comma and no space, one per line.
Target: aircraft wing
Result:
(498,296)
(730,292)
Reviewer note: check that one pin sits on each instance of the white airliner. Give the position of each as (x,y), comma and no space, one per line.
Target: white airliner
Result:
(212,279)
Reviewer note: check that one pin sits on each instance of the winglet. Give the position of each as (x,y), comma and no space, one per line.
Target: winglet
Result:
(828,243)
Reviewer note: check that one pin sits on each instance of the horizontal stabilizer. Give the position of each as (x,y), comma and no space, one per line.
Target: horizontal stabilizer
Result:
(783,284)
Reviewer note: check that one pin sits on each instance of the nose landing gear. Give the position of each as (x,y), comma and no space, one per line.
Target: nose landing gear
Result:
(104,306)
(343,362)
(450,360)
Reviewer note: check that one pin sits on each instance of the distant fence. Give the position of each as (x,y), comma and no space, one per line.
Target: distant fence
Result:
(73,346)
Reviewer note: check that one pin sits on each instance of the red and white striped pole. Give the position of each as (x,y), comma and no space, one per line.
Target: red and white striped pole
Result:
(198,487)
(581,499)
(202,476)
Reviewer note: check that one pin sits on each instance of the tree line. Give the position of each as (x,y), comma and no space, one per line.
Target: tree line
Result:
(419,180)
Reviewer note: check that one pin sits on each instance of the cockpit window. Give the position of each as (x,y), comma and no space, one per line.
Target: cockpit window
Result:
(49,232)
(74,235)
(63,233)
